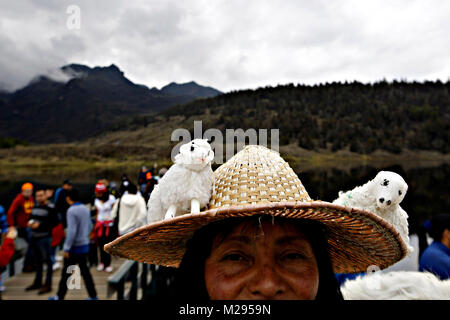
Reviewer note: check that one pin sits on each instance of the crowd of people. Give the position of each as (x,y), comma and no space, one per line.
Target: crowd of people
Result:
(48,226)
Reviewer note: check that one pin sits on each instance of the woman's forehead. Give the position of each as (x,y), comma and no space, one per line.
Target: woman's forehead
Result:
(250,231)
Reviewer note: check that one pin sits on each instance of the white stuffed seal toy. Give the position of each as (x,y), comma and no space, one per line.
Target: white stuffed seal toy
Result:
(397,285)
(382,196)
(188,184)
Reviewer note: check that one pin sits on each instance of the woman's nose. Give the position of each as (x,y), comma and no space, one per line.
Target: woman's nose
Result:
(266,283)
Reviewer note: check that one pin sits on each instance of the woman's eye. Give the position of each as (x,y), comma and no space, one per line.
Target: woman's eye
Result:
(293,256)
(233,257)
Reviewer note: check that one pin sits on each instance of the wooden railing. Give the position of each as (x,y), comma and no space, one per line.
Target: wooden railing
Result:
(137,274)
(129,271)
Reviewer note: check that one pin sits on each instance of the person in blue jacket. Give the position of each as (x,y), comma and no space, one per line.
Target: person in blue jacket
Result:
(3,220)
(436,257)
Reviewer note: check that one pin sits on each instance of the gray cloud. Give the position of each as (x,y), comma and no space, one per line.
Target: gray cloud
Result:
(229,44)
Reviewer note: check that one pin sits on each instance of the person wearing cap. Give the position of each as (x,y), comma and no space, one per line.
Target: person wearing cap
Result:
(103,230)
(436,257)
(18,215)
(262,237)
(20,210)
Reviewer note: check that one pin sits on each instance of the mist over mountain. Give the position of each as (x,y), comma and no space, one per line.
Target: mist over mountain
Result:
(78,102)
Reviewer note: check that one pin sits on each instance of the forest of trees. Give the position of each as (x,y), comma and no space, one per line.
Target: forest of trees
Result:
(390,116)
(7,143)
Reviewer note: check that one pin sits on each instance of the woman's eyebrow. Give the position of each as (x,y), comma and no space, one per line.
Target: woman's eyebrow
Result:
(241,239)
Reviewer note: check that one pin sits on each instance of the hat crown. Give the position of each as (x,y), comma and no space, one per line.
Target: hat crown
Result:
(256,175)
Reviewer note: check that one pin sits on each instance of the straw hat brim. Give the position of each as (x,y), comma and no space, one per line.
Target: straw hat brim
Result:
(357,238)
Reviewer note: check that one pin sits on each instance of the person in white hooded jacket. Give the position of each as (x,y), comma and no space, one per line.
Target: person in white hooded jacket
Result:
(131,210)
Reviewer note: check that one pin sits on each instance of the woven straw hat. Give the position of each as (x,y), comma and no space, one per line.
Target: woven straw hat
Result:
(257,181)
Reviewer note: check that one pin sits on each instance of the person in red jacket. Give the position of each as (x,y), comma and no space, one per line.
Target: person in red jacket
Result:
(18,215)
(7,248)
(20,210)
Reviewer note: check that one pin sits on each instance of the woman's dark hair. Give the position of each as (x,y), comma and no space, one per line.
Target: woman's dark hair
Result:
(190,282)
(132,188)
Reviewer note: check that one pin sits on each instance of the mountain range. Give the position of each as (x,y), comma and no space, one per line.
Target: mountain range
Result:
(101,106)
(88,102)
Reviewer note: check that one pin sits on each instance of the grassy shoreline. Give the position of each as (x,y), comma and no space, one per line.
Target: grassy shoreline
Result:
(53,170)
(153,143)
(292,154)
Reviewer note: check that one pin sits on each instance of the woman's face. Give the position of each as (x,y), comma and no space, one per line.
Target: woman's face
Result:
(270,261)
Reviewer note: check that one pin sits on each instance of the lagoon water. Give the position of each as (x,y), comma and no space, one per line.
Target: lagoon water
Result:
(428,192)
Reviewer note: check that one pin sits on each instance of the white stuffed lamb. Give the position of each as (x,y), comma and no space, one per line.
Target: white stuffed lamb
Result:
(382,196)
(186,185)
(397,285)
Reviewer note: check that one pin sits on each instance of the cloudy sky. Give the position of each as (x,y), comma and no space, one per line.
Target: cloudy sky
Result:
(228,44)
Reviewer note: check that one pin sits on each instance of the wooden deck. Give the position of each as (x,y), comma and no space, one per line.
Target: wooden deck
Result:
(15,286)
